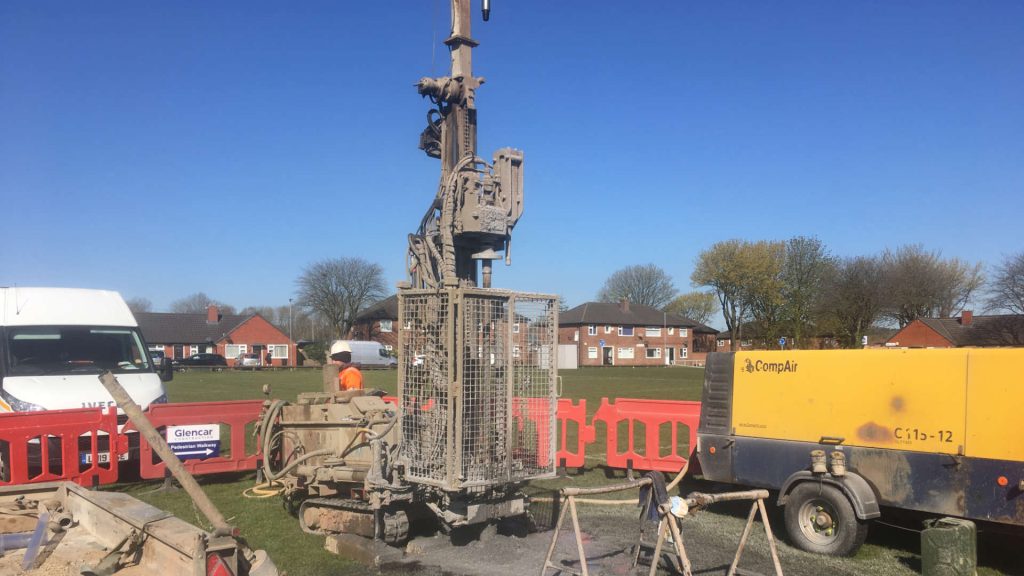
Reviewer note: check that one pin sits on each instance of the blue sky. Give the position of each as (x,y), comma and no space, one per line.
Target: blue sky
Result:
(166,149)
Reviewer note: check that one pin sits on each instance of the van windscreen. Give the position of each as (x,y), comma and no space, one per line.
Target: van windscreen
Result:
(39,350)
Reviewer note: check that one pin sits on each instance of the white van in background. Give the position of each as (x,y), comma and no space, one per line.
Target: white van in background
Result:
(365,353)
(55,342)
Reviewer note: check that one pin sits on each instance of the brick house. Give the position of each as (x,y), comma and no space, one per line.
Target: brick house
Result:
(624,334)
(182,335)
(378,323)
(967,330)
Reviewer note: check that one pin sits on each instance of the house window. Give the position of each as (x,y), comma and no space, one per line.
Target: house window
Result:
(591,330)
(652,331)
(626,353)
(193,350)
(515,351)
(592,353)
(278,351)
(576,336)
(721,343)
(385,326)
(682,332)
(389,347)
(607,329)
(515,328)
(671,330)
(625,330)
(653,352)
(683,352)
(233,350)
(179,352)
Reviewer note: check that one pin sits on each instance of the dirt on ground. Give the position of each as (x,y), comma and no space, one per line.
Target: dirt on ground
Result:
(609,535)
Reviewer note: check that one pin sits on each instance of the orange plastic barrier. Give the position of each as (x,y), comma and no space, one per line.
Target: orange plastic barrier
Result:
(233,414)
(660,451)
(59,445)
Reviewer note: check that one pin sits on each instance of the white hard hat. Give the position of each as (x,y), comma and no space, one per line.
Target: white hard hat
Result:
(339,346)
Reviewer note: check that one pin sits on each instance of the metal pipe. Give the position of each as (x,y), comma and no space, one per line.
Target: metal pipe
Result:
(150,433)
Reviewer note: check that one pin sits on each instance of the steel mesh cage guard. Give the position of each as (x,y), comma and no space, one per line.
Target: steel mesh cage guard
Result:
(477,374)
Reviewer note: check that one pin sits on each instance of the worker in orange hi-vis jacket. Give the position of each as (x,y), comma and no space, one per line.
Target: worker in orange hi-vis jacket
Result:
(349,377)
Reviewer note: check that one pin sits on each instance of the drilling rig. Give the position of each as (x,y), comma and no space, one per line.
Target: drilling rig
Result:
(475,414)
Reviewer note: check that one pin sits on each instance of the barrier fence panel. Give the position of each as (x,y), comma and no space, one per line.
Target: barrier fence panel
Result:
(661,420)
(56,445)
(75,444)
(573,433)
(235,415)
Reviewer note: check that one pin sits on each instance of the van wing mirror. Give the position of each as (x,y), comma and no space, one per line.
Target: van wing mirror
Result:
(166,370)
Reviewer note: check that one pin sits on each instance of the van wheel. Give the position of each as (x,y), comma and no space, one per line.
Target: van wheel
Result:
(820,519)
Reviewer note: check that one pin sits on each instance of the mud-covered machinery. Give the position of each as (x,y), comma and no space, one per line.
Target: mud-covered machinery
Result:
(475,415)
(472,423)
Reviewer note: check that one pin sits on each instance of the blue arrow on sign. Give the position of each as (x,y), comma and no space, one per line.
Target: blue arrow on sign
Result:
(782,342)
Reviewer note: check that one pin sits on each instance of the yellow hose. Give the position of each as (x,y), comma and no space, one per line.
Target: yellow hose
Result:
(264,490)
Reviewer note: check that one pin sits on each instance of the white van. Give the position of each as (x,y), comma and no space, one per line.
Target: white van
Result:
(55,342)
(365,353)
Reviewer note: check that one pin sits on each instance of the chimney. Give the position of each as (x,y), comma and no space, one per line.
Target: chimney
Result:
(966,317)
(624,305)
(212,314)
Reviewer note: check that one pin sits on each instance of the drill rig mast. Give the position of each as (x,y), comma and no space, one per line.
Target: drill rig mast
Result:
(477,204)
(476,378)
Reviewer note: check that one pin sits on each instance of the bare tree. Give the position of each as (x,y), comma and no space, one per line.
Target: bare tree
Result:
(921,284)
(697,306)
(647,285)
(339,288)
(1006,291)
(856,297)
(268,312)
(139,304)
(197,304)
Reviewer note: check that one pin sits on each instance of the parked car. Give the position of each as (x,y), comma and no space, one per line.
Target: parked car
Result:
(216,361)
(250,360)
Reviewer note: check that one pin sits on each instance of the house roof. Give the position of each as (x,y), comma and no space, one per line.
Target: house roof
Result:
(172,328)
(636,315)
(994,330)
(386,309)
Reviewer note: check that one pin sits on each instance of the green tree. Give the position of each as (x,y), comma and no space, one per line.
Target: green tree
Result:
(727,268)
(805,269)
(647,285)
(856,297)
(697,306)
(764,286)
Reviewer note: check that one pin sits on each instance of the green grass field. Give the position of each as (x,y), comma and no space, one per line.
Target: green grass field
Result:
(266,524)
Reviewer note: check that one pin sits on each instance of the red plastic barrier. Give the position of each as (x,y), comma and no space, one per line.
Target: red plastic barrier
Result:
(569,411)
(653,414)
(65,429)
(235,414)
(44,446)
